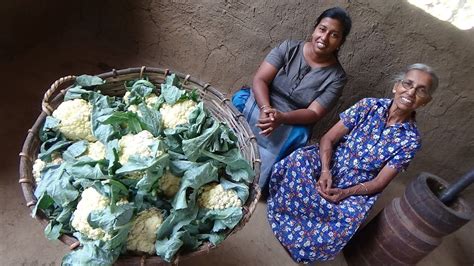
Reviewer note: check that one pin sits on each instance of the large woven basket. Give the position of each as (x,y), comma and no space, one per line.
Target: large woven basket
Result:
(214,101)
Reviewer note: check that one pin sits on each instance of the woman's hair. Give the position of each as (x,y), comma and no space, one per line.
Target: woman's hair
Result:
(420,67)
(338,14)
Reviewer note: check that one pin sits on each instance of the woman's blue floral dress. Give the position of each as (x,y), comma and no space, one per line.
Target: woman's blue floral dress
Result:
(307,225)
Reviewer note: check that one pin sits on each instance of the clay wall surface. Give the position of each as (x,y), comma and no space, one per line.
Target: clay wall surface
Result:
(223,42)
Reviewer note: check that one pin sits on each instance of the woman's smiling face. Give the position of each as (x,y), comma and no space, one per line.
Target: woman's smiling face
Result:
(413,91)
(327,36)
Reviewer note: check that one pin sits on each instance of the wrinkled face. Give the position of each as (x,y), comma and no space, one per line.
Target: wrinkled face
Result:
(413,91)
(327,36)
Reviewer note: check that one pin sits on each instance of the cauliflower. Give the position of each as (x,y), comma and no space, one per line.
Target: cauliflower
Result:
(142,236)
(138,144)
(39,165)
(122,201)
(126,97)
(176,114)
(151,101)
(96,150)
(213,196)
(133,108)
(56,158)
(75,119)
(91,200)
(169,184)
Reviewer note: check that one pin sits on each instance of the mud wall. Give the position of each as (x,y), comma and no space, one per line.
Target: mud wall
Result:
(223,42)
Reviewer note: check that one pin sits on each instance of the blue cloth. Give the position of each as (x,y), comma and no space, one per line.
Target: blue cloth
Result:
(276,146)
(240,98)
(308,226)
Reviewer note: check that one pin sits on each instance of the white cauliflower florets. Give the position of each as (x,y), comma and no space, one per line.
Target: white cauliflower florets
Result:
(91,200)
(126,97)
(169,184)
(122,201)
(96,150)
(75,119)
(38,166)
(138,144)
(56,158)
(173,115)
(151,100)
(133,108)
(213,196)
(142,236)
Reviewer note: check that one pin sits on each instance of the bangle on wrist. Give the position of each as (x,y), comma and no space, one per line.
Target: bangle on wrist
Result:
(365,187)
(325,171)
(265,106)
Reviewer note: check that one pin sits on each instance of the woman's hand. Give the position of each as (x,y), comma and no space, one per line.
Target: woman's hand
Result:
(334,195)
(269,120)
(325,181)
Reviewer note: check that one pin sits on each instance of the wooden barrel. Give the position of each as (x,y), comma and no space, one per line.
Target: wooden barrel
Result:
(420,202)
(391,238)
(409,228)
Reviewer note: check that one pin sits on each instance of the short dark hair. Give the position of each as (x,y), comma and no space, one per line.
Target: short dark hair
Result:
(339,14)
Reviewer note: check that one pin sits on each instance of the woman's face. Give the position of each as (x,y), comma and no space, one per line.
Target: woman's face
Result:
(327,36)
(413,91)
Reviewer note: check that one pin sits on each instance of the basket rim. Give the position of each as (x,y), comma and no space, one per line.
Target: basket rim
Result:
(55,93)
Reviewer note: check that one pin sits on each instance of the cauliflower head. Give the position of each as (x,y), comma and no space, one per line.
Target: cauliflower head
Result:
(138,144)
(56,158)
(39,165)
(91,200)
(151,101)
(75,119)
(169,184)
(142,236)
(213,196)
(126,97)
(133,108)
(176,114)
(96,150)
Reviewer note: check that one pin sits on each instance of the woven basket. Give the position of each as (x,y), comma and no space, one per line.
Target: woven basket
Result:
(214,101)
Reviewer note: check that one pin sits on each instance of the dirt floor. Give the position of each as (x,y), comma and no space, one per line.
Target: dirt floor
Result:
(223,44)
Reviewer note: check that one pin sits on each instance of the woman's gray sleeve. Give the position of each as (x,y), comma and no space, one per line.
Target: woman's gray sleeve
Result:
(276,57)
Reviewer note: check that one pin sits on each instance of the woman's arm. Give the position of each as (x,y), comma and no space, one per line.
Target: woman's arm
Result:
(275,118)
(261,84)
(325,152)
(261,91)
(373,186)
(310,115)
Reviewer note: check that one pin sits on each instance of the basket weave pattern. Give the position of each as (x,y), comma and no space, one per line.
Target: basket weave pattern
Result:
(214,101)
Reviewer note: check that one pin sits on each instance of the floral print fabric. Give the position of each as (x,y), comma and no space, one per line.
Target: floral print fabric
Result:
(312,228)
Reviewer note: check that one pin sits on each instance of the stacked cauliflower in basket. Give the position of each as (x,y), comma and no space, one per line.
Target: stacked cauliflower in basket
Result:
(151,172)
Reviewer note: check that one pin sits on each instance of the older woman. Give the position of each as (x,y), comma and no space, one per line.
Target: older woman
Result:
(294,87)
(319,195)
